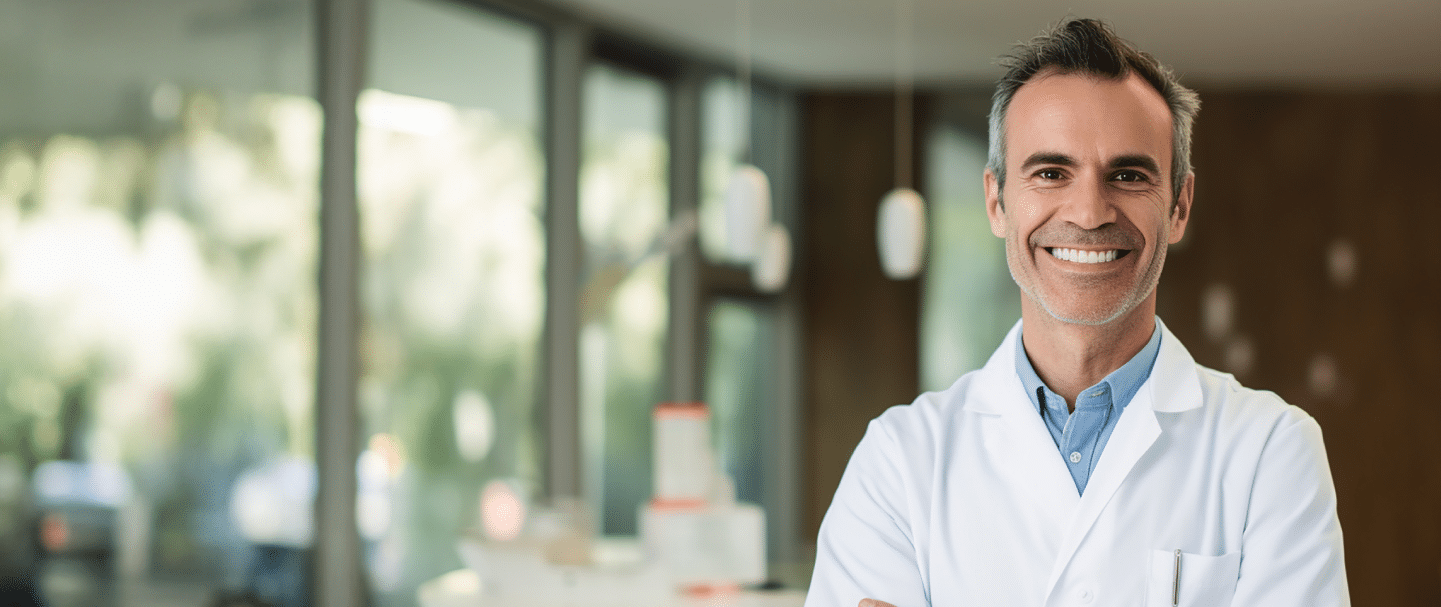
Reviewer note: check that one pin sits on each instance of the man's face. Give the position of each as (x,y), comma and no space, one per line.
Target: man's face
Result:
(1087,200)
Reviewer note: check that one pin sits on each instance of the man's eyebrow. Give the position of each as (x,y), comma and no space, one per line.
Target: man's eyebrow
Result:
(1136,161)
(1055,158)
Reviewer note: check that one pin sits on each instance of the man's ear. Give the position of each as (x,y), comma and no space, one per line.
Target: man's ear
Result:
(994,209)
(1181,211)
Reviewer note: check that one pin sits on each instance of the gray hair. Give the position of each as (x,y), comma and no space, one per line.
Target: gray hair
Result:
(1090,47)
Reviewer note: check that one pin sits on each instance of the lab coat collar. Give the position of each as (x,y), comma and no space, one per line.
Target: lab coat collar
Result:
(1181,388)
(1001,389)
(1172,387)
(1179,391)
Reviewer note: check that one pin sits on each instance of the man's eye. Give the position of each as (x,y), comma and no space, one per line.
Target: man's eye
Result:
(1049,174)
(1131,177)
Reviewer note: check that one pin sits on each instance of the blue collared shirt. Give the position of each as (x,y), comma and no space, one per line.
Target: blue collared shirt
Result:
(1083,434)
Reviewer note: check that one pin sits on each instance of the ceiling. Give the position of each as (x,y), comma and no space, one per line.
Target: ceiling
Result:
(1346,43)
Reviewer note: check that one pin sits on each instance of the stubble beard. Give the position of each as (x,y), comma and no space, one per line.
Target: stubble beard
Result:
(1143,287)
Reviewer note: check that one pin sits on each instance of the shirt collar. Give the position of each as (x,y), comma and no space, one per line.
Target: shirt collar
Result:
(1123,382)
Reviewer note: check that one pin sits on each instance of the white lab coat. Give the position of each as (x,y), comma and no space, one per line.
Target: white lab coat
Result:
(961,499)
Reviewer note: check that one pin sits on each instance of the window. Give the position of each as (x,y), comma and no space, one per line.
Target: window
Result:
(158,170)
(969,301)
(624,205)
(751,372)
(723,142)
(450,183)
(741,389)
(159,310)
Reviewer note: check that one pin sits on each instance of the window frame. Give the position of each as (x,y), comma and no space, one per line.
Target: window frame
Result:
(570,44)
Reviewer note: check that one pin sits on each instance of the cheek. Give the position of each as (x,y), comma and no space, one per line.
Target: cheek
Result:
(1151,217)
(1018,235)
(1023,217)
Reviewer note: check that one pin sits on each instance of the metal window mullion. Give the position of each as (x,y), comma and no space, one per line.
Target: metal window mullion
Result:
(337,570)
(567,54)
(783,443)
(685,337)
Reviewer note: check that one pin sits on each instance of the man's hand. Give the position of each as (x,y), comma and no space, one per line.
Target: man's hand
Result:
(874,603)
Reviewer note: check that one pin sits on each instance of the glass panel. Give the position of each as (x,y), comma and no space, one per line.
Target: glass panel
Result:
(722,146)
(623,209)
(969,301)
(450,176)
(158,172)
(740,389)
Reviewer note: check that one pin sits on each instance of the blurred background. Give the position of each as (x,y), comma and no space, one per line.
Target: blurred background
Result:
(539,254)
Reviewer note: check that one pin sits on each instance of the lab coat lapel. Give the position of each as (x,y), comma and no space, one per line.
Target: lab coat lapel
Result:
(1135,432)
(1024,447)
(1031,450)
(1172,386)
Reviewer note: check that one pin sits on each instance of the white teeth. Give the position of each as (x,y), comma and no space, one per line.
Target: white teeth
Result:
(1078,256)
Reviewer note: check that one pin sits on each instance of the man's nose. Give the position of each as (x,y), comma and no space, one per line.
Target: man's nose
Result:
(1088,206)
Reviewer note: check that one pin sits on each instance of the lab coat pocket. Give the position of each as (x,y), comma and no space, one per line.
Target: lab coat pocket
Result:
(1200,581)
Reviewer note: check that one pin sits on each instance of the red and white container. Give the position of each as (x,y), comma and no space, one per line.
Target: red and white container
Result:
(683,462)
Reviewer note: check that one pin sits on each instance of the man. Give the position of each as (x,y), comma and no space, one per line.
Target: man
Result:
(1091,461)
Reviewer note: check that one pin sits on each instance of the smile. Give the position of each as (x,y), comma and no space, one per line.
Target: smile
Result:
(1079,256)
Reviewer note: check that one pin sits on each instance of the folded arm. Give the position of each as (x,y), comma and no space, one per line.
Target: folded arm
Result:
(1292,553)
(865,548)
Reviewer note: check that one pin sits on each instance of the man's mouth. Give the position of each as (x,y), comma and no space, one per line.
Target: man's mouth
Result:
(1079,256)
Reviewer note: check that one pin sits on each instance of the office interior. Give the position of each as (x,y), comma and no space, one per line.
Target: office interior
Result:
(295,295)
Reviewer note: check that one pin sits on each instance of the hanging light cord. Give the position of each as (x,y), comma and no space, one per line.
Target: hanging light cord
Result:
(743,73)
(905,34)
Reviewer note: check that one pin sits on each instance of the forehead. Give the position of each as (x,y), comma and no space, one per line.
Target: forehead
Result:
(1088,118)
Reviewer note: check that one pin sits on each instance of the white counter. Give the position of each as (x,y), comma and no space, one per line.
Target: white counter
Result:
(462,588)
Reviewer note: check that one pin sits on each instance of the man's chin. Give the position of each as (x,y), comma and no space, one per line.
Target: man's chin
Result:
(1091,316)
(1089,320)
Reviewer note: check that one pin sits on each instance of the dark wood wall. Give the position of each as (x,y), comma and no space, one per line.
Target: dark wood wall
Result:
(1282,177)
(860,328)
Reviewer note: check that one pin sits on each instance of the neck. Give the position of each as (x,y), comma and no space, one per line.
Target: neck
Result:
(1071,357)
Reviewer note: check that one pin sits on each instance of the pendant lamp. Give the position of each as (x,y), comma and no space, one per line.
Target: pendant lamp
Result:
(901,217)
(752,235)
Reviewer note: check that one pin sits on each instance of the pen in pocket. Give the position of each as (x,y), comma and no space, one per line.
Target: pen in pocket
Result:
(1176,582)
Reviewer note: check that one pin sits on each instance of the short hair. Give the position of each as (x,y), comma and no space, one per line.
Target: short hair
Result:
(1090,47)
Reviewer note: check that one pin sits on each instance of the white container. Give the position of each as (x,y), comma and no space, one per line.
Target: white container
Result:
(681,452)
(517,574)
(708,545)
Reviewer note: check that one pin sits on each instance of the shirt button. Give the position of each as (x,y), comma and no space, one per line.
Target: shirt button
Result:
(1098,392)
(1075,457)
(1084,595)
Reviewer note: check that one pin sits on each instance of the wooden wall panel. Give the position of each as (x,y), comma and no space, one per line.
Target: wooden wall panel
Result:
(860,328)
(1280,178)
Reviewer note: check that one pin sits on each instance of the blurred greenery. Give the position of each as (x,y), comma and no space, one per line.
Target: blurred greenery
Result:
(969,302)
(740,383)
(157,305)
(624,208)
(453,281)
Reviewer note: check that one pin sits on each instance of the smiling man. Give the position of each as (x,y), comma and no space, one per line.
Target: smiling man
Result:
(1091,461)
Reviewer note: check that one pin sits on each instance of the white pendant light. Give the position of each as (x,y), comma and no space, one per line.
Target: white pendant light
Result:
(901,233)
(748,212)
(772,267)
(901,218)
(750,235)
